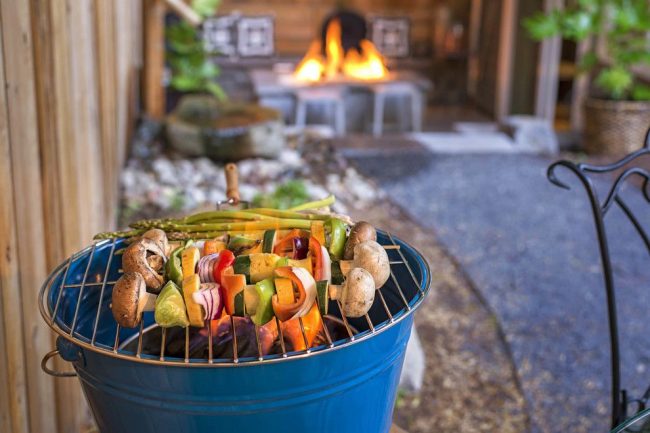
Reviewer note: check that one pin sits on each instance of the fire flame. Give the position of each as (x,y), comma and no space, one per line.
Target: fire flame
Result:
(365,65)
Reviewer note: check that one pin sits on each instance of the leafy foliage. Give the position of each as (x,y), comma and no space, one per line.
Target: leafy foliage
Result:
(624,24)
(287,195)
(192,70)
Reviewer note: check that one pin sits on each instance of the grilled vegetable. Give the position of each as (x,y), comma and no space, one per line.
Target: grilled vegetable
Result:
(136,259)
(191,285)
(322,293)
(226,259)
(189,259)
(268,241)
(285,246)
(130,299)
(356,294)
(206,267)
(159,237)
(284,289)
(241,245)
(335,231)
(213,246)
(232,285)
(211,299)
(173,270)
(294,338)
(170,307)
(256,267)
(300,248)
(261,309)
(305,264)
(372,257)
(361,231)
(317,230)
(306,287)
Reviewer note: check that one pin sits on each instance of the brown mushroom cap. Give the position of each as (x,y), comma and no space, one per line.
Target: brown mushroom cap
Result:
(358,293)
(372,257)
(160,238)
(135,259)
(361,231)
(125,300)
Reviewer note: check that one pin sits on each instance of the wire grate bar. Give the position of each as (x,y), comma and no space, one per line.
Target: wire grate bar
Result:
(326,331)
(399,290)
(370,324)
(90,284)
(117,338)
(383,302)
(61,287)
(260,356)
(162,344)
(281,337)
(304,335)
(345,321)
(187,344)
(210,355)
(81,289)
(139,352)
(101,293)
(408,267)
(235,354)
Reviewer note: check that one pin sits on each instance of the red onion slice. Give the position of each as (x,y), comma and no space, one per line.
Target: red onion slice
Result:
(205,268)
(209,297)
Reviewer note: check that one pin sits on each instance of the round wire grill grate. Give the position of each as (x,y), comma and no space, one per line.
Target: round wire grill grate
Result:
(75,302)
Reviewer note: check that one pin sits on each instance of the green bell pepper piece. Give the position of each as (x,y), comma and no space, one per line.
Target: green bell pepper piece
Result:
(264,290)
(336,231)
(173,270)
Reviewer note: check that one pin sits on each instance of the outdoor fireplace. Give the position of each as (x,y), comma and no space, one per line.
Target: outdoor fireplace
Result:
(343,51)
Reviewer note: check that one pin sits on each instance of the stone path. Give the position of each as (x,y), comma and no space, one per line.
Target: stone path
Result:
(470,384)
(529,248)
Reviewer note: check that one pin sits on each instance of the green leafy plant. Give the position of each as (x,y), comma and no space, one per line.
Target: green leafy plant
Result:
(624,25)
(287,195)
(191,68)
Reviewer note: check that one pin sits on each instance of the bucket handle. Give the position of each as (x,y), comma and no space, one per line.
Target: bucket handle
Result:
(51,372)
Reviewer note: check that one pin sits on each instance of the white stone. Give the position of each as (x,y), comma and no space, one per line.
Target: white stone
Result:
(414,363)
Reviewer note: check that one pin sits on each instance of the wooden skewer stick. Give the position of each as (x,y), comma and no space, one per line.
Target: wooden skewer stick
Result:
(232,182)
(391,247)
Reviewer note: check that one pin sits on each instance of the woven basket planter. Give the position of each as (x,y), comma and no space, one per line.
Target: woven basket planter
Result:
(615,127)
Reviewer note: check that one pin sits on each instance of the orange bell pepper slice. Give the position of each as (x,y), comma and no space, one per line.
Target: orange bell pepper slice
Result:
(312,324)
(287,311)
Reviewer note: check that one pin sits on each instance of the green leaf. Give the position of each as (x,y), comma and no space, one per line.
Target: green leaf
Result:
(588,62)
(205,8)
(216,91)
(641,92)
(185,83)
(616,81)
(541,26)
(576,25)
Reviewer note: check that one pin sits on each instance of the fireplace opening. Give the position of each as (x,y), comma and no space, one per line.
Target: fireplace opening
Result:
(342,52)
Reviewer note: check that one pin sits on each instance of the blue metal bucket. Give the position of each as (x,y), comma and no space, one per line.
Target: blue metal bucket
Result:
(349,386)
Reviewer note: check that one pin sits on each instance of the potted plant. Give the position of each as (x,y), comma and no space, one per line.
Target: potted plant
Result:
(204,122)
(617,111)
(192,70)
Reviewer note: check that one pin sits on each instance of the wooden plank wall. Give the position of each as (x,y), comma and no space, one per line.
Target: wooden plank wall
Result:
(68,72)
(298,21)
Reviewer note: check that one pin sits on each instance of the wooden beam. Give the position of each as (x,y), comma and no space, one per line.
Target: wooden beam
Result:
(547,74)
(507,37)
(154,57)
(12,360)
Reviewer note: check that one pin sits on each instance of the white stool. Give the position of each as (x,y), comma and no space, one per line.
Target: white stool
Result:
(332,97)
(404,92)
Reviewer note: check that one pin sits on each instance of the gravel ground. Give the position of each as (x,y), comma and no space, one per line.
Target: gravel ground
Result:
(530,249)
(470,383)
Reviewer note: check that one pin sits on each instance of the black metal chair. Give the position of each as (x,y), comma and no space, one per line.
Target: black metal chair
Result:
(600,208)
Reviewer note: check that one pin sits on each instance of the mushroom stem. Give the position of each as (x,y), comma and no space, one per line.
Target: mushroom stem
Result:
(147,302)
(335,291)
